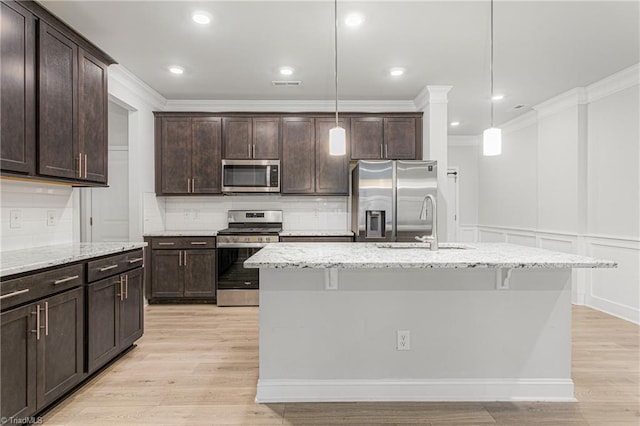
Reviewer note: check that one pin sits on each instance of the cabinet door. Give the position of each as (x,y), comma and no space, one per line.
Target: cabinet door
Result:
(103,322)
(57,138)
(332,171)
(92,117)
(400,138)
(131,312)
(266,138)
(18,366)
(60,362)
(367,138)
(298,156)
(237,138)
(174,157)
(17,88)
(167,273)
(206,155)
(199,273)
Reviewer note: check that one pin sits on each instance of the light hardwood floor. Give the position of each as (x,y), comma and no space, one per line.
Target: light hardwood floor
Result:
(198,365)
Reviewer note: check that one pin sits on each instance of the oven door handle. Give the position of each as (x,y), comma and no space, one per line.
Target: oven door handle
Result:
(241,245)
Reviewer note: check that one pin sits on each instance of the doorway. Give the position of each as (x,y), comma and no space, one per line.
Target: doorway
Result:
(453,173)
(105,211)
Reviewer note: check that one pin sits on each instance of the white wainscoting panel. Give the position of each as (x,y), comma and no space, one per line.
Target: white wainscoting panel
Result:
(491,236)
(615,291)
(522,239)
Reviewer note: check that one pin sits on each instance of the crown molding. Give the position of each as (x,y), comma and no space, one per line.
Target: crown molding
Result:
(431,95)
(571,98)
(288,106)
(464,140)
(129,83)
(621,80)
(530,118)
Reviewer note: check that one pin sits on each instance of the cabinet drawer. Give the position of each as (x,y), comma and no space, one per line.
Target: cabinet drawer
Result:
(113,265)
(35,286)
(179,243)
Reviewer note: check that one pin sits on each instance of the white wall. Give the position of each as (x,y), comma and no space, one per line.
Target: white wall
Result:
(569,180)
(34,202)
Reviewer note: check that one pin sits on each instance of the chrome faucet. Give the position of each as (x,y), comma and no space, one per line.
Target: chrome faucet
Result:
(433,238)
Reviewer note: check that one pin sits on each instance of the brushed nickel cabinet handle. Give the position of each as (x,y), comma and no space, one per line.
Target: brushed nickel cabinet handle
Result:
(193,185)
(126,286)
(180,258)
(67,279)
(137,259)
(249,146)
(121,287)
(46,318)
(386,153)
(85,166)
(37,314)
(381,151)
(13,294)
(79,164)
(166,244)
(106,268)
(199,243)
(185,258)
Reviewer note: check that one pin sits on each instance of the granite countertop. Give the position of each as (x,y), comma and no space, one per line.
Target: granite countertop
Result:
(208,233)
(315,233)
(32,259)
(415,255)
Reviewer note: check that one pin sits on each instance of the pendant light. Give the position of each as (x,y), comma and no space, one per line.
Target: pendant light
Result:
(492,137)
(337,135)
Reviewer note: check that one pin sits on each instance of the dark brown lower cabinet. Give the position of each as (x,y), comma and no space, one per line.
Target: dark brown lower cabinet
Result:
(115,317)
(184,274)
(46,356)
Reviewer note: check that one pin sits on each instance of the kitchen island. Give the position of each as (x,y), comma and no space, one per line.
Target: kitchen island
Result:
(399,322)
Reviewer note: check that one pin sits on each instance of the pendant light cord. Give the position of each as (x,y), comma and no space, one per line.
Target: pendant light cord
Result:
(335,52)
(491,63)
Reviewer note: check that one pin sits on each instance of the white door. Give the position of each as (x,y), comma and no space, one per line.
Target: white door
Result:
(452,208)
(106,210)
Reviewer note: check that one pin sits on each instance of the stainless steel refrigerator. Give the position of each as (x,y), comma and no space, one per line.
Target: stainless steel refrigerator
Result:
(390,199)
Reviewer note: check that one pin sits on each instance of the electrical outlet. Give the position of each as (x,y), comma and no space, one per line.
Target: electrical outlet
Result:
(15,221)
(196,214)
(186,215)
(51,218)
(403,340)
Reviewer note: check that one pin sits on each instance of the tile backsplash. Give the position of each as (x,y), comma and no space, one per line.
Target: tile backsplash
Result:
(34,215)
(210,213)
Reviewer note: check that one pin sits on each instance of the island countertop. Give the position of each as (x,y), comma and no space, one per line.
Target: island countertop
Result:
(415,255)
(32,259)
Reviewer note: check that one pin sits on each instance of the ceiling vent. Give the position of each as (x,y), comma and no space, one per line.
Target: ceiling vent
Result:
(286,83)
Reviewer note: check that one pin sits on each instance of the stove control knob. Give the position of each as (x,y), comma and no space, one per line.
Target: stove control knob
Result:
(260,239)
(246,238)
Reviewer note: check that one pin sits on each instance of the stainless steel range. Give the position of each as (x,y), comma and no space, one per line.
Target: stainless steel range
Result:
(247,232)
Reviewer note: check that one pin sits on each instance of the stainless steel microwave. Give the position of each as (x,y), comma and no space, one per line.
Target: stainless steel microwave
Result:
(250,176)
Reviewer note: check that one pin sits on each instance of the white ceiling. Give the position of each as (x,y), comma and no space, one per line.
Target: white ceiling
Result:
(541,48)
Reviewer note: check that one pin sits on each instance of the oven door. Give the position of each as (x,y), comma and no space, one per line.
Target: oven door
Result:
(250,176)
(237,285)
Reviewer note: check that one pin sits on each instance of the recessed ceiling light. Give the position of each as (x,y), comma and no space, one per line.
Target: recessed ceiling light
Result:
(454,123)
(286,70)
(202,18)
(354,20)
(175,69)
(497,97)
(396,72)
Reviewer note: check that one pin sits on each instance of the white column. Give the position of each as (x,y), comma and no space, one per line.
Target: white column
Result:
(433,101)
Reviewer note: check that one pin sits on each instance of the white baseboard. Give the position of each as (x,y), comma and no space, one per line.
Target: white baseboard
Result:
(617,310)
(552,390)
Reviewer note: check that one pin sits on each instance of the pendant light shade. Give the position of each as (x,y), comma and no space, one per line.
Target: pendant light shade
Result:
(492,141)
(337,141)
(337,135)
(492,137)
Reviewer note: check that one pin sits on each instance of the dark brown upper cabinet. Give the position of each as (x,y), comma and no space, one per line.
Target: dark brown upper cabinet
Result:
(307,166)
(66,91)
(188,155)
(17,79)
(386,138)
(251,137)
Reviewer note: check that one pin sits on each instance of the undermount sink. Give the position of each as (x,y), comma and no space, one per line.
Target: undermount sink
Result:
(416,245)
